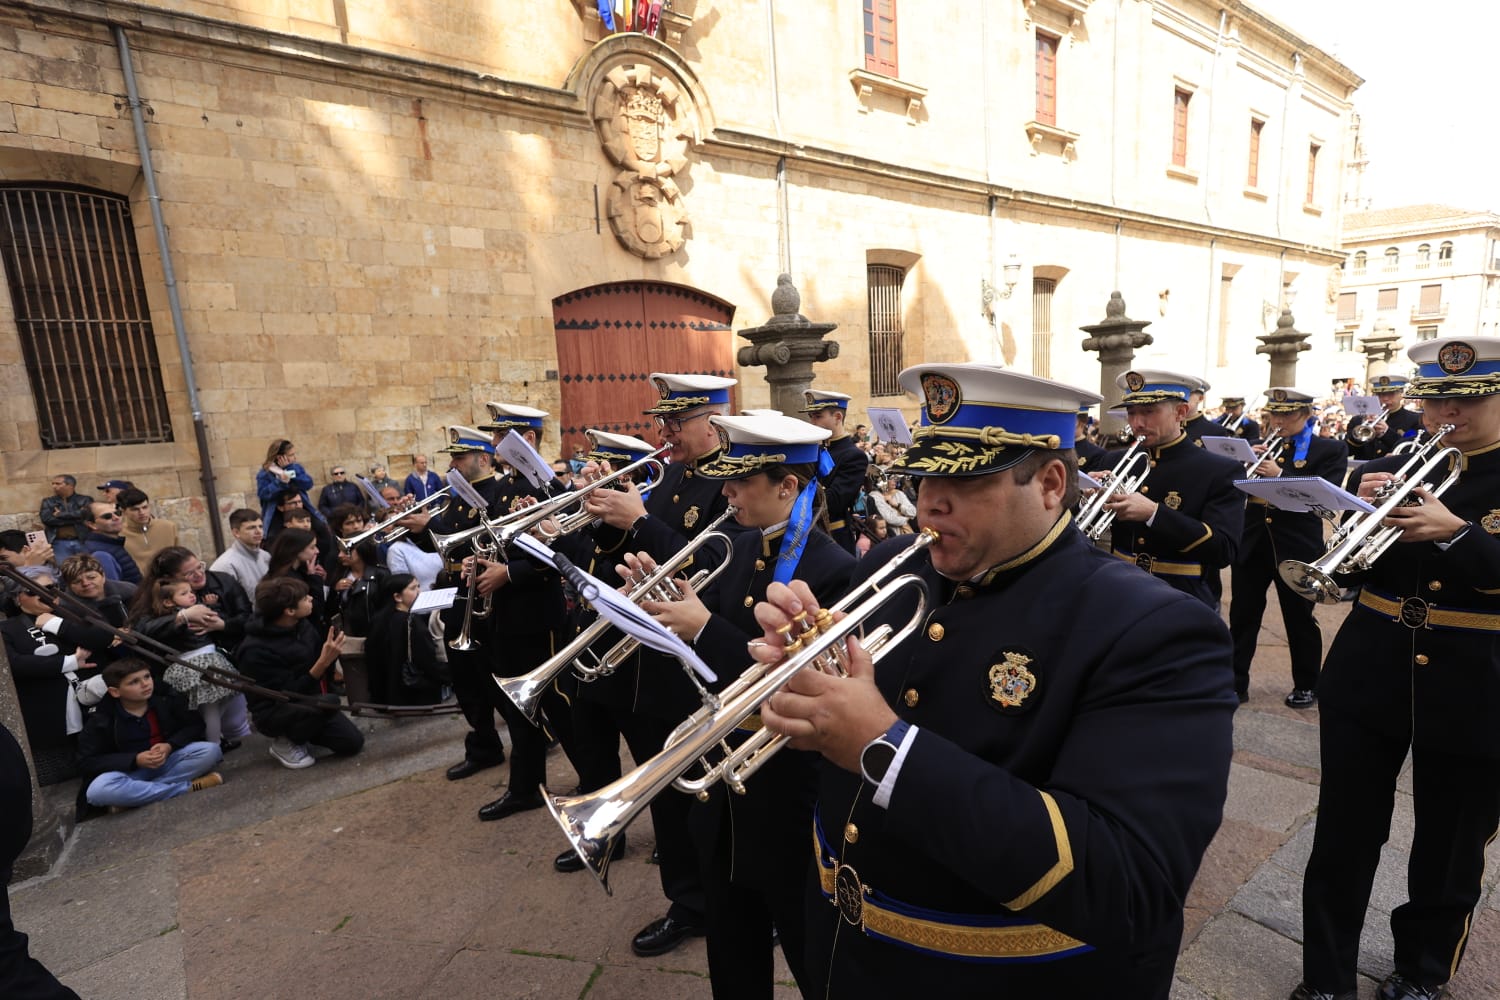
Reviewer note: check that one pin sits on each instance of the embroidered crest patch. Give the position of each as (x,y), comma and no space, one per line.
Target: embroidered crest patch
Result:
(1010,682)
(691,517)
(1173,500)
(1383,381)
(1457,358)
(1491,522)
(1279,395)
(661,387)
(942,395)
(1135,381)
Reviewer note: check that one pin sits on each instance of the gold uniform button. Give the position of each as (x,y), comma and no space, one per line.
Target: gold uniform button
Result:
(1268,520)
(1435,585)
(965,592)
(911,698)
(1421,659)
(749,602)
(935,632)
(760,564)
(851,833)
(1145,490)
(676,497)
(1153,463)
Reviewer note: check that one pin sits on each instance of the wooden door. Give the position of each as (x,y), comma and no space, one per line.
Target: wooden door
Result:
(610,338)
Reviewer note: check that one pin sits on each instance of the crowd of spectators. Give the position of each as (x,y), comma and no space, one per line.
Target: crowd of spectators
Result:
(285,606)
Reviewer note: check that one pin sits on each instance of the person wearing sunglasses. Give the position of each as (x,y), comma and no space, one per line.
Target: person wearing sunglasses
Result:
(104,539)
(339,492)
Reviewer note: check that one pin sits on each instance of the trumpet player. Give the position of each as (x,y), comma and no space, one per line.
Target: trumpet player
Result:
(842,483)
(1183,524)
(1197,426)
(1389,428)
(1272,535)
(648,698)
(526,611)
(1014,802)
(1236,421)
(753,847)
(1416,669)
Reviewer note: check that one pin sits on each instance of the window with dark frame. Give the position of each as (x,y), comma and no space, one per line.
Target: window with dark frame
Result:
(1312,172)
(1445,254)
(1180,102)
(880,37)
(75,280)
(1392,259)
(1360,260)
(1042,292)
(886,331)
(1252,173)
(1046,79)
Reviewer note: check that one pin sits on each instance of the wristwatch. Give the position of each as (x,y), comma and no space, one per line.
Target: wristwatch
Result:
(878,755)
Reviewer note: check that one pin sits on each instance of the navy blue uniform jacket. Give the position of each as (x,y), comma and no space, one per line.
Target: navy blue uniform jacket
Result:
(1080,811)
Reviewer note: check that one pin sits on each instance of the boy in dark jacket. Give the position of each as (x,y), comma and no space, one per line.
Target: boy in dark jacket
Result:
(141,747)
(282,651)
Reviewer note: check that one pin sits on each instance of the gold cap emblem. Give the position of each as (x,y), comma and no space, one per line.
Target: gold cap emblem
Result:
(942,395)
(1457,358)
(1135,381)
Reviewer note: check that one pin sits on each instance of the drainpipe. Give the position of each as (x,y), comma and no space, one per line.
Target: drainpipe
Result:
(143,146)
(783,229)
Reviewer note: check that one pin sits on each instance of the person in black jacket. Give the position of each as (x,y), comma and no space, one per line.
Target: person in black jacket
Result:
(753,847)
(223,608)
(1392,427)
(140,746)
(283,652)
(1013,802)
(1273,535)
(1237,422)
(1090,455)
(397,639)
(1197,426)
(1414,676)
(842,483)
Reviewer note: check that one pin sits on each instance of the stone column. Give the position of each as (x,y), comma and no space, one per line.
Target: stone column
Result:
(787,344)
(1283,345)
(1116,339)
(1379,347)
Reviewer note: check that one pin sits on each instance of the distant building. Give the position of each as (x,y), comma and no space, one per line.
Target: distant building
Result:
(1423,271)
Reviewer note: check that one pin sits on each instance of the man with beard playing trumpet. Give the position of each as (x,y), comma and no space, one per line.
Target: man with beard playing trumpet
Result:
(1013,804)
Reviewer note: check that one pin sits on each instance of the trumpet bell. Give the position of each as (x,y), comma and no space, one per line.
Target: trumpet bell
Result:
(1310,581)
(593,825)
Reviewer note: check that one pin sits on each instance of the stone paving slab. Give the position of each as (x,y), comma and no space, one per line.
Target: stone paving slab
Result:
(1236,958)
(153,968)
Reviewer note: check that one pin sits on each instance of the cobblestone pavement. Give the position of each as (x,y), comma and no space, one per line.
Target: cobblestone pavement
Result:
(372,877)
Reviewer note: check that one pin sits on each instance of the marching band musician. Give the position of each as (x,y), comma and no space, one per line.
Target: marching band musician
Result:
(1397,424)
(753,847)
(1090,455)
(1183,525)
(1197,426)
(1416,666)
(1272,535)
(1230,420)
(649,697)
(469,450)
(527,609)
(841,486)
(1011,805)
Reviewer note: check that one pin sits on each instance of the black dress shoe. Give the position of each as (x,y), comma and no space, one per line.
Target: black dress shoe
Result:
(507,804)
(1301,698)
(661,936)
(226,744)
(468,767)
(1305,992)
(1398,987)
(568,861)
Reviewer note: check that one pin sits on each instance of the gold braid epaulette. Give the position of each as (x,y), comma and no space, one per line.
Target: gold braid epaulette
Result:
(992,437)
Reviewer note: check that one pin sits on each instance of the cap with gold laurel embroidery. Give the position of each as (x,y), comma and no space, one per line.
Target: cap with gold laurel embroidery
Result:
(679,392)
(617,449)
(1455,366)
(513,416)
(1285,399)
(750,444)
(824,399)
(1144,386)
(978,419)
(462,440)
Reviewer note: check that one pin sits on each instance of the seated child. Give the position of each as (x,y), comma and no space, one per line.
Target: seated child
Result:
(282,652)
(141,747)
(214,702)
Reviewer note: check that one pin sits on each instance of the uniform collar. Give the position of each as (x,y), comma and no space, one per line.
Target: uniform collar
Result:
(770,539)
(703,459)
(996,575)
(1181,437)
(1487,453)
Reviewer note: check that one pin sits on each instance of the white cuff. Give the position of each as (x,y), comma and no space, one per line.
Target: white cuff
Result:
(882,796)
(53,626)
(70,663)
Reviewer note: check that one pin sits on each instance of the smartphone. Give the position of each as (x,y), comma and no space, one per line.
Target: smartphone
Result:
(37,538)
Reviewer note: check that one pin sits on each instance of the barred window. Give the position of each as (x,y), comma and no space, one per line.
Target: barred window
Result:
(70,261)
(886,332)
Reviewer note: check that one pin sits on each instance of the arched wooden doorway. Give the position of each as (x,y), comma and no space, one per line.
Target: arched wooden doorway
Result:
(610,338)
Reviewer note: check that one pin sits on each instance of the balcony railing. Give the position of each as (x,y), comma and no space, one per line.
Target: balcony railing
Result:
(1428,313)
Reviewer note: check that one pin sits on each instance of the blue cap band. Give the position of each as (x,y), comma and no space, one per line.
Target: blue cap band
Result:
(1016,421)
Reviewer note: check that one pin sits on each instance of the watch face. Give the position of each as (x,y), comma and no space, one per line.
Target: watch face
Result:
(876,759)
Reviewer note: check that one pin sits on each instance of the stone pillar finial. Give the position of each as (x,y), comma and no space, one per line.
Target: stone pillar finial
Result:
(1283,345)
(787,344)
(1116,339)
(1379,347)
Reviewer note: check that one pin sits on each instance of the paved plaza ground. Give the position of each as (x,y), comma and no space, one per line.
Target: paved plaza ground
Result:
(372,877)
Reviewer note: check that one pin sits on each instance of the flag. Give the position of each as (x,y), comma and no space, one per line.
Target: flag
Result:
(606,15)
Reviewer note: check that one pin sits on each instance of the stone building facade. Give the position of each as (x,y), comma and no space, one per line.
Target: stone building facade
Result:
(1418,272)
(382,214)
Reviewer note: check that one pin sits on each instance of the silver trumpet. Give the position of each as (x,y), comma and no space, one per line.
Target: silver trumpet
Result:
(1363,538)
(1273,446)
(594,822)
(1364,431)
(1409,445)
(526,690)
(1128,474)
(377,531)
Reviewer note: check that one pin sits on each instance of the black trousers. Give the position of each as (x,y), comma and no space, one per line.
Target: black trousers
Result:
(302,724)
(1254,571)
(518,654)
(681,880)
(1456,800)
(472,684)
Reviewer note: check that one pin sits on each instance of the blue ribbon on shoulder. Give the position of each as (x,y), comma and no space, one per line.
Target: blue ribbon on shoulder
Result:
(1303,441)
(798,529)
(825,463)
